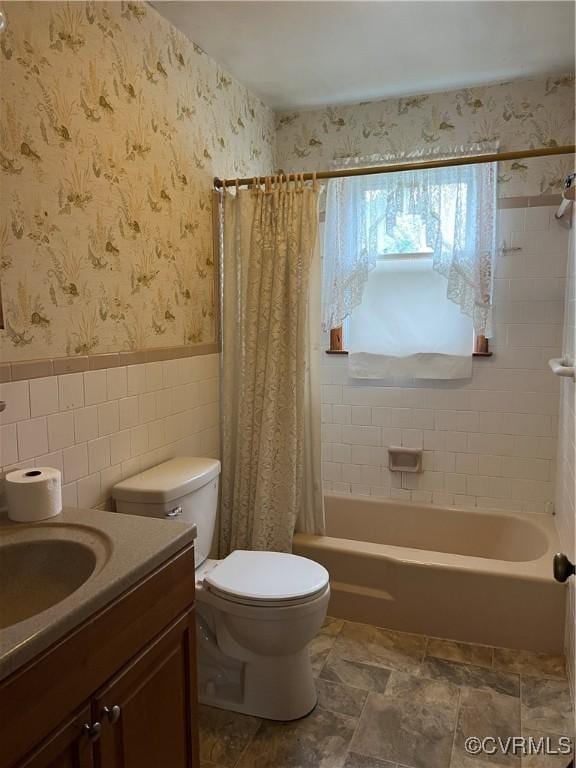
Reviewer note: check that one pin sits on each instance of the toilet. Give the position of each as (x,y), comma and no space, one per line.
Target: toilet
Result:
(256,611)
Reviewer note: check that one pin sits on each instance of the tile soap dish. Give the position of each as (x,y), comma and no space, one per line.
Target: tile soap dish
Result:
(404,459)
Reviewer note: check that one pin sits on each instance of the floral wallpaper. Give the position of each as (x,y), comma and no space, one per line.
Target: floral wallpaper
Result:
(112,126)
(519,115)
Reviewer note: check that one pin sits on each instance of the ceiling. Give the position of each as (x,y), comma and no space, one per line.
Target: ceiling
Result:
(307,54)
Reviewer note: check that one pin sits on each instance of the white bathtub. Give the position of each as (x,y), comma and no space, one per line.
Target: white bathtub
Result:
(483,577)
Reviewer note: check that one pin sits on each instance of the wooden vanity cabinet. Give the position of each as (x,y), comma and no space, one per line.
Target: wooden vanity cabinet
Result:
(146,710)
(64,748)
(117,692)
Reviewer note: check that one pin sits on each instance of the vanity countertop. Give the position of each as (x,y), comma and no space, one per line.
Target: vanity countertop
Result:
(125,548)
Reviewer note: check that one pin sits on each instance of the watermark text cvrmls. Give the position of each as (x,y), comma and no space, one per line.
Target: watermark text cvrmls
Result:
(518,745)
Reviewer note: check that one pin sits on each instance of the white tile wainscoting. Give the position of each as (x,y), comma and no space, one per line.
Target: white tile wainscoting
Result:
(489,442)
(566,479)
(101,426)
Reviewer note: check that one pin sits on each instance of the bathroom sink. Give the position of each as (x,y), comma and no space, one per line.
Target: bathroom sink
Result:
(57,573)
(35,575)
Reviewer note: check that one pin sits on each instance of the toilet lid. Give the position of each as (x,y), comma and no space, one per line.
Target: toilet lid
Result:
(267,576)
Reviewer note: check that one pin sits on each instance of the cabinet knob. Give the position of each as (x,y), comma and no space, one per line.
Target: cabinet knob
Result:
(112,713)
(93,730)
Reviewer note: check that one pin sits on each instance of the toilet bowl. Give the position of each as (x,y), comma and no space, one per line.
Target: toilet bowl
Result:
(256,611)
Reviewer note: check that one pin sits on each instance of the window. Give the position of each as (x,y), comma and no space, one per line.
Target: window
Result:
(404,309)
(400,230)
(407,235)
(408,267)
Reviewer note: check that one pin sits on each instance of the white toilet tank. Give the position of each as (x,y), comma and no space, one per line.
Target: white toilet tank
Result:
(184,489)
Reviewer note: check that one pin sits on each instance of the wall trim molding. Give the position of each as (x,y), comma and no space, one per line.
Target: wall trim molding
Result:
(57,366)
(530,201)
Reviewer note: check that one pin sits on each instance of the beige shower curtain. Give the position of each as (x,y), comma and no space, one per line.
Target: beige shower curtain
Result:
(271,477)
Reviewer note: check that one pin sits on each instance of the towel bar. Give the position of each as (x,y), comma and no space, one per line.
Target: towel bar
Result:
(560,368)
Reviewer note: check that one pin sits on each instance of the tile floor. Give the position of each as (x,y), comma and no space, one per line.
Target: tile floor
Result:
(393,700)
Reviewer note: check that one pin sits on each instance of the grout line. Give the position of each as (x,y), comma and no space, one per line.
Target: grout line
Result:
(324,664)
(251,740)
(358,721)
(458,705)
(317,677)
(521,717)
(426,645)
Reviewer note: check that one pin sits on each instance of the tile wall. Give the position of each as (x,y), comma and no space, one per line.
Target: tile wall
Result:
(101,426)
(566,479)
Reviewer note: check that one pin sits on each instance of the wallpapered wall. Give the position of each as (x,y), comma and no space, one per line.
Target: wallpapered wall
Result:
(112,125)
(518,115)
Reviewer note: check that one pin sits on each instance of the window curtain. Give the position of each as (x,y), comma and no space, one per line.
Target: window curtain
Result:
(458,207)
(271,476)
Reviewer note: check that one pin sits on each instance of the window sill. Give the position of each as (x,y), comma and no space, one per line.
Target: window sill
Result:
(345,352)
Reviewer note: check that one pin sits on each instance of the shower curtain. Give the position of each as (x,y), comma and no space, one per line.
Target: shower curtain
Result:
(271,476)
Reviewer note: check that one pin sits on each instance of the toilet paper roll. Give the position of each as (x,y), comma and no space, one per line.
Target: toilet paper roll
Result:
(33,494)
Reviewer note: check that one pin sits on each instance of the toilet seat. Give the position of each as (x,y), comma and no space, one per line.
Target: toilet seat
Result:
(266,579)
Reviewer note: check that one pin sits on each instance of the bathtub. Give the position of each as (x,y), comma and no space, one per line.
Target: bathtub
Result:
(481,577)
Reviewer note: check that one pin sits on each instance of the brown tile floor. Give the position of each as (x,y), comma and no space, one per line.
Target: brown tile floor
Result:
(393,700)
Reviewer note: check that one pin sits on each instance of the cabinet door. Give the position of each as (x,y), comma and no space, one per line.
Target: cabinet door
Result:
(148,710)
(68,747)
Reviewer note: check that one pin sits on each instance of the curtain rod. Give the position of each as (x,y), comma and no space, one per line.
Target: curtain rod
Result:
(494,157)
